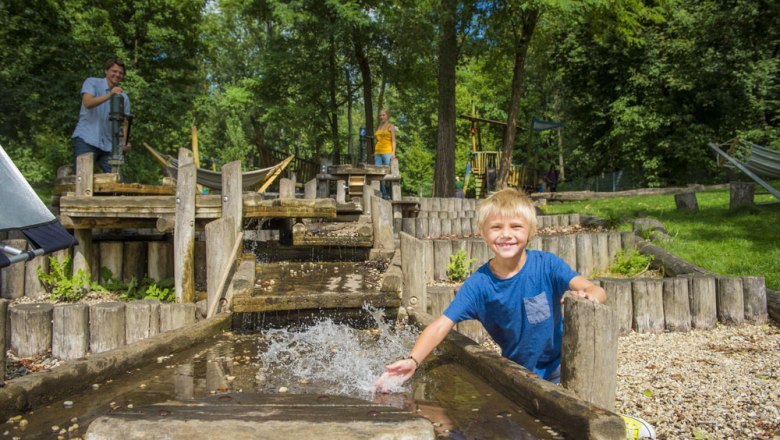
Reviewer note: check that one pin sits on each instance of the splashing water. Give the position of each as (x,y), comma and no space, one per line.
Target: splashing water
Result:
(338,358)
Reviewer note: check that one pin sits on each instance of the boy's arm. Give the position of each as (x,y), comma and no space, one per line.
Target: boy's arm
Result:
(429,339)
(583,288)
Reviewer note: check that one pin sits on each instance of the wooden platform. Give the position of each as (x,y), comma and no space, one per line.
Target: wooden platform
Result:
(314,301)
(102,211)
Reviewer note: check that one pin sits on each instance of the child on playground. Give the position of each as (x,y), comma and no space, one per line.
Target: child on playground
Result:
(517,295)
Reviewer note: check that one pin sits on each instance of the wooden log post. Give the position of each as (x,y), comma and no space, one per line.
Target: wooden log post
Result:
(134,260)
(479,252)
(111,254)
(30,328)
(32,285)
(408,226)
(142,320)
(629,239)
(106,326)
(686,201)
(614,245)
(550,243)
(567,249)
(445,227)
(730,301)
(12,277)
(413,293)
(173,316)
(535,243)
(160,260)
(620,298)
(647,296)
(677,306)
(741,194)
(395,185)
(341,191)
(589,352)
(701,293)
(310,189)
(3,335)
(442,249)
(754,294)
(465,226)
(83,253)
(184,234)
(600,251)
(421,227)
(232,195)
(434,227)
(220,239)
(382,221)
(584,244)
(428,268)
(286,188)
(70,331)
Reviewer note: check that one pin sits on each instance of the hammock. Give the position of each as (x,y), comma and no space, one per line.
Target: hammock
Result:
(263,177)
(23,211)
(760,160)
(753,160)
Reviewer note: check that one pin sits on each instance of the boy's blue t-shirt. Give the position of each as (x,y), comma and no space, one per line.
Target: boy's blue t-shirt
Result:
(522,313)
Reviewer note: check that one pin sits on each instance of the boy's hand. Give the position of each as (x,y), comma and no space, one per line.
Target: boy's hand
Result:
(397,373)
(581,294)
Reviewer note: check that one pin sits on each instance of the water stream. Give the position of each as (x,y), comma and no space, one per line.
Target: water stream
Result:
(323,357)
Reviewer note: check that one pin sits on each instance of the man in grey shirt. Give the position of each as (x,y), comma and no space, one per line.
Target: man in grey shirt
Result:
(93,131)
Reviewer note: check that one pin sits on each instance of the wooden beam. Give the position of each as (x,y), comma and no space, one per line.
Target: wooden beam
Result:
(184,236)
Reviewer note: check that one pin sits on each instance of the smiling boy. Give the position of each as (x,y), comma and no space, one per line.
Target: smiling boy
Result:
(517,295)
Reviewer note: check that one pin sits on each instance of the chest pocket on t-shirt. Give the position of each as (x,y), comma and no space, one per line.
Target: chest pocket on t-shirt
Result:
(537,308)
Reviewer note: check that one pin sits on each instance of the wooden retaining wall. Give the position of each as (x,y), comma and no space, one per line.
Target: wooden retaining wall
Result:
(585,252)
(71,331)
(463,223)
(125,260)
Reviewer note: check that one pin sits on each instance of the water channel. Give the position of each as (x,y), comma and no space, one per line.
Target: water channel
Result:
(325,356)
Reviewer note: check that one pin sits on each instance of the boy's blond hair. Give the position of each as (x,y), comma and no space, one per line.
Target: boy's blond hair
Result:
(508,202)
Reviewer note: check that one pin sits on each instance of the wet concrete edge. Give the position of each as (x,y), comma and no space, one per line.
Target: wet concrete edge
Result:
(553,404)
(37,389)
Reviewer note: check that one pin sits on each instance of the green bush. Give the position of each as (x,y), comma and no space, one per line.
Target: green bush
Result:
(630,262)
(63,287)
(460,266)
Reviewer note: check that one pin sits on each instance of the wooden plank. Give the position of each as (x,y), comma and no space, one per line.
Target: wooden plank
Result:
(232,201)
(184,235)
(221,247)
(327,300)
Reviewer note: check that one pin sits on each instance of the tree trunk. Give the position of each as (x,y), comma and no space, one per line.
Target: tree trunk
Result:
(334,106)
(444,175)
(528,20)
(365,74)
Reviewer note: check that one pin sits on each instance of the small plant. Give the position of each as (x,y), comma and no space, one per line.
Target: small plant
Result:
(460,266)
(63,287)
(630,262)
(162,294)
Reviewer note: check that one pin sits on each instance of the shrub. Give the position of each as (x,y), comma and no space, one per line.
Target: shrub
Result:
(630,262)
(63,287)
(460,266)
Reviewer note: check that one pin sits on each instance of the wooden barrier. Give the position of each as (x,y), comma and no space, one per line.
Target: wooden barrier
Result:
(413,267)
(184,234)
(12,277)
(755,299)
(106,326)
(142,320)
(70,333)
(730,302)
(701,292)
(30,327)
(175,316)
(620,298)
(677,306)
(111,253)
(589,351)
(3,335)
(160,260)
(647,297)
(134,261)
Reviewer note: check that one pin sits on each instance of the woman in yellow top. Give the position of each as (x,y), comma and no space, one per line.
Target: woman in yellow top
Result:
(384,150)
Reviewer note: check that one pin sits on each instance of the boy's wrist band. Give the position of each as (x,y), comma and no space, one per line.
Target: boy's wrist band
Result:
(416,364)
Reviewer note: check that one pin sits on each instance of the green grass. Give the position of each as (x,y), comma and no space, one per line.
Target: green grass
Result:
(744,242)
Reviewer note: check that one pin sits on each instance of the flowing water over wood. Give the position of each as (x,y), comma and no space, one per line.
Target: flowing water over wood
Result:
(321,359)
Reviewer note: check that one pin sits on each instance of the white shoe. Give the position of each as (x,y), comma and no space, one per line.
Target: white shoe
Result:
(637,428)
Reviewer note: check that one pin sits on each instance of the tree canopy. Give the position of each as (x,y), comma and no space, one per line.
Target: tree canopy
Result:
(638,85)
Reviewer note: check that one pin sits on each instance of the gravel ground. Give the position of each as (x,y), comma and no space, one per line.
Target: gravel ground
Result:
(722,383)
